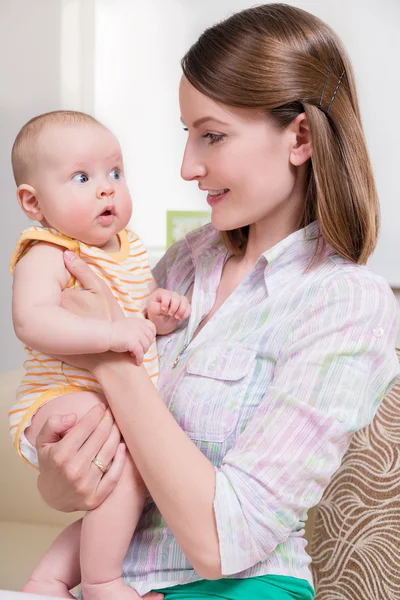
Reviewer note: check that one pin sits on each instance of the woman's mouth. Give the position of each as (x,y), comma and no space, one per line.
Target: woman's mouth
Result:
(215,196)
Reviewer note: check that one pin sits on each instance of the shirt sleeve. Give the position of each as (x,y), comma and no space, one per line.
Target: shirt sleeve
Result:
(330,377)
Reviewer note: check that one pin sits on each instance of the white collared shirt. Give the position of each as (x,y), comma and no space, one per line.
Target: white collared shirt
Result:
(270,390)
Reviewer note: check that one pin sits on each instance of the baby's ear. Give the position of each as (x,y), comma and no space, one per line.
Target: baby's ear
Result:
(27,198)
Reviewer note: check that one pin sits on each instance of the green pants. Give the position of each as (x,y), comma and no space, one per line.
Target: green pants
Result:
(267,587)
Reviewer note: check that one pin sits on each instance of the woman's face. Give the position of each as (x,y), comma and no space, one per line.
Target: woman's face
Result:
(248,167)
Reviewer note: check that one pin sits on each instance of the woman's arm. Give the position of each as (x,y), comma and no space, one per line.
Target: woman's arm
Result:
(180,478)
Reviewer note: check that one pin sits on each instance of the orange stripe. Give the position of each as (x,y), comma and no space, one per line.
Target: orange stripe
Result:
(101,259)
(119,291)
(82,378)
(31,383)
(127,281)
(133,310)
(17,410)
(139,254)
(47,360)
(35,374)
(141,297)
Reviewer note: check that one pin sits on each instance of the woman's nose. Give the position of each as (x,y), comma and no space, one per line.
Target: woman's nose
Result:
(192,166)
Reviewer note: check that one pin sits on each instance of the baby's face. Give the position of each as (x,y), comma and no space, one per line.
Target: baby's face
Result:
(80,183)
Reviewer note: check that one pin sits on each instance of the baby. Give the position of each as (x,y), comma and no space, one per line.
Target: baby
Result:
(70,177)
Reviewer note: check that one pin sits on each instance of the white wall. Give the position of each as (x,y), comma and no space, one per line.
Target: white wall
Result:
(136,94)
(29,67)
(138,47)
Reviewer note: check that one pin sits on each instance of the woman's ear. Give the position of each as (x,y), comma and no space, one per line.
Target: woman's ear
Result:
(301,149)
(27,198)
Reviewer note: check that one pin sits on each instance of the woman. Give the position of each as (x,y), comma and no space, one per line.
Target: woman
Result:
(290,345)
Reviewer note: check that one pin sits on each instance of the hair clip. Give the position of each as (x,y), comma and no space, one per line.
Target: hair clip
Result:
(335,92)
(326,81)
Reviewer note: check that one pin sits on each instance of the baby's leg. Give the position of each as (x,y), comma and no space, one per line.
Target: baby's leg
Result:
(59,569)
(106,534)
(106,531)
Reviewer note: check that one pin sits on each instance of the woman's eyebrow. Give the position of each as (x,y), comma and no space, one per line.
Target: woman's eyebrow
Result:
(203,120)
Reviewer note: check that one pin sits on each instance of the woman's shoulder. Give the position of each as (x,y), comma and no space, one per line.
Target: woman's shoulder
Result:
(357,288)
(356,275)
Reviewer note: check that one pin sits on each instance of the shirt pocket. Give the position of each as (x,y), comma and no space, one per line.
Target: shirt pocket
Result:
(209,397)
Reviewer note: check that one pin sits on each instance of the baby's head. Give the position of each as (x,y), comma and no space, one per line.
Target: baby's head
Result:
(69,173)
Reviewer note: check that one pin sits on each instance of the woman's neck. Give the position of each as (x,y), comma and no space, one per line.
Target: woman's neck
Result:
(275,227)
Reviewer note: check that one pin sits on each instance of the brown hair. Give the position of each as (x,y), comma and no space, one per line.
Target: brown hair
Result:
(23,150)
(285,61)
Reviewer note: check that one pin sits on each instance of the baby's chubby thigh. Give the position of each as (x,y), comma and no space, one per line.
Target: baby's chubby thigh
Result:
(78,403)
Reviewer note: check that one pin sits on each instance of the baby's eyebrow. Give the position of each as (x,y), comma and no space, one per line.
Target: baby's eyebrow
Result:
(86,163)
(115,157)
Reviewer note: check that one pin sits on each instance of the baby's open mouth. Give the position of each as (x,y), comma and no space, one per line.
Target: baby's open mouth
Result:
(108,211)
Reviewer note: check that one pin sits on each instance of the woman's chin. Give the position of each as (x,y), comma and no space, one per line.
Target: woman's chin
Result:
(222,223)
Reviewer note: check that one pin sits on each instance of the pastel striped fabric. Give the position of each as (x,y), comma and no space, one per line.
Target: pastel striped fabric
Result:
(127,273)
(270,390)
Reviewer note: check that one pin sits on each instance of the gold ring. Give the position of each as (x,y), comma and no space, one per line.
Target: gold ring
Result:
(99,464)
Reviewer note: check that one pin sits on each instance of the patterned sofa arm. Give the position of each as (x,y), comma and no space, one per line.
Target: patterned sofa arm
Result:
(355,546)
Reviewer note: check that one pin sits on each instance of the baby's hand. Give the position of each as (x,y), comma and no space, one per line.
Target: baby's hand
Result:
(132,335)
(166,308)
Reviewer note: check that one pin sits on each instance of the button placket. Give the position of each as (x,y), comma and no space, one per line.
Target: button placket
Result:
(179,355)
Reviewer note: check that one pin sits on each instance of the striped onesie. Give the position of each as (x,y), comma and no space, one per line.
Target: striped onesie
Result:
(128,275)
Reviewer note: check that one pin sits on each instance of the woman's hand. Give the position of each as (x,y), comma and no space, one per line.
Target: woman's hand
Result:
(68,479)
(95,299)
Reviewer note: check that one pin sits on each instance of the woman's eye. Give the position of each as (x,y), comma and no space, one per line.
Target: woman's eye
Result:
(80,178)
(214,137)
(115,174)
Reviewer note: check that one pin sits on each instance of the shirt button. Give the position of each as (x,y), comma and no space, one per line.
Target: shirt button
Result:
(377,331)
(213,365)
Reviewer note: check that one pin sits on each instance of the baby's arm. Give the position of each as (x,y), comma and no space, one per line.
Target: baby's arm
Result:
(41,323)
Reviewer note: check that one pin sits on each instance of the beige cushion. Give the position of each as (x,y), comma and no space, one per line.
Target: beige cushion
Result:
(356,540)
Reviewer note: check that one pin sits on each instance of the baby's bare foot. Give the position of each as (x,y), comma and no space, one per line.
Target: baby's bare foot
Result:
(109,590)
(55,588)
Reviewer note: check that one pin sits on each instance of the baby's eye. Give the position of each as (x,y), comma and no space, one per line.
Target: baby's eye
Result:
(115,174)
(80,178)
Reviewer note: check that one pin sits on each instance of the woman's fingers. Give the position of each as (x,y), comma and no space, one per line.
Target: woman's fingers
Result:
(54,429)
(109,449)
(83,430)
(111,477)
(82,272)
(99,434)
